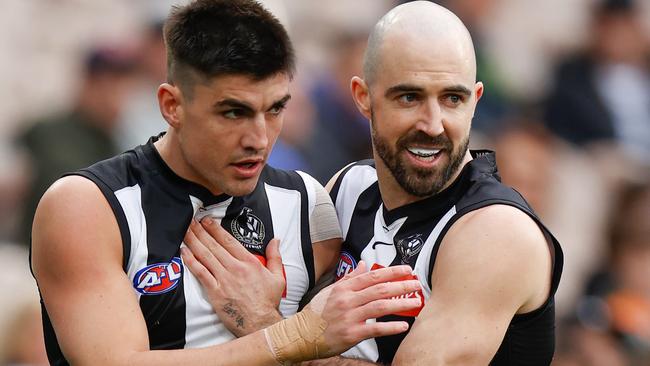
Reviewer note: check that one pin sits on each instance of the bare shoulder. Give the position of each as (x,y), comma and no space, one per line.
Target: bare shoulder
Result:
(496,229)
(500,246)
(75,224)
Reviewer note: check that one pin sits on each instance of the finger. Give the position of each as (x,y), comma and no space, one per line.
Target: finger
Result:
(227,241)
(386,290)
(382,307)
(205,277)
(273,257)
(361,269)
(379,329)
(213,246)
(200,252)
(388,274)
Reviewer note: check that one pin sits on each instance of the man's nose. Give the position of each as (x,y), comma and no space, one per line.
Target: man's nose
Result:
(430,120)
(255,133)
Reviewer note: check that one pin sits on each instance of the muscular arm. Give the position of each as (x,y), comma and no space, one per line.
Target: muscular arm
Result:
(77,261)
(492,264)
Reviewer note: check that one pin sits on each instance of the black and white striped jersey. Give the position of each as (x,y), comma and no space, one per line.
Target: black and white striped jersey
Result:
(411,235)
(154,206)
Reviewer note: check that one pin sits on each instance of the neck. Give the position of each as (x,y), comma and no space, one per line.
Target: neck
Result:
(392,193)
(169,149)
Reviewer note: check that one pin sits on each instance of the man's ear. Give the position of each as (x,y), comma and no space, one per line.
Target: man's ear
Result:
(170,100)
(478,89)
(361,95)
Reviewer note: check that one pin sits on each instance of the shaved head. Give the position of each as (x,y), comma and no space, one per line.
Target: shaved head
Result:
(418,26)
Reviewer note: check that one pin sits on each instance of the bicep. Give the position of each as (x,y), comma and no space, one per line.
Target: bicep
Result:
(77,258)
(483,275)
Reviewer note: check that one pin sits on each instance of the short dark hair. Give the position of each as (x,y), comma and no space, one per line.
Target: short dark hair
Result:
(209,38)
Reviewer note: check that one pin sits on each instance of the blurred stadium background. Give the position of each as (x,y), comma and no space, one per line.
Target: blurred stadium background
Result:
(567,108)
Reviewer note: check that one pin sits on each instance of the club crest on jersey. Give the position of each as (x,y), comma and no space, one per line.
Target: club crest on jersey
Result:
(346,265)
(409,247)
(159,278)
(248,229)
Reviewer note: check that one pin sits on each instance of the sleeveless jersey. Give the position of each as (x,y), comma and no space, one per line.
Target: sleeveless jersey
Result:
(154,206)
(411,235)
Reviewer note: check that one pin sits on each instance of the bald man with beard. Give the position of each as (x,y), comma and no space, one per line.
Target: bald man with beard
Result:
(487,266)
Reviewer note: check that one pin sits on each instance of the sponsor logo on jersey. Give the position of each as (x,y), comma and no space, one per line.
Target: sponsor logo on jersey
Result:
(248,229)
(346,265)
(415,295)
(159,278)
(409,247)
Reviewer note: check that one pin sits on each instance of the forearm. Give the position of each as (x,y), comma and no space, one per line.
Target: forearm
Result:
(339,361)
(249,350)
(242,324)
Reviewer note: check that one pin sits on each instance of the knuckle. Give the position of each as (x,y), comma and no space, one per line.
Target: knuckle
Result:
(384,290)
(374,275)
(341,302)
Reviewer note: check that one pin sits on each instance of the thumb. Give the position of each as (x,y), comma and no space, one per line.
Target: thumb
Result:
(273,257)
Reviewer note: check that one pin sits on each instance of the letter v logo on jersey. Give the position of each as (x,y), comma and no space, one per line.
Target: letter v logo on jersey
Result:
(158,278)
(415,295)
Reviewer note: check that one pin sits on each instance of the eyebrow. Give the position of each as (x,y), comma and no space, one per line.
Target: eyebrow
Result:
(402,88)
(461,89)
(410,88)
(234,103)
(247,108)
(282,102)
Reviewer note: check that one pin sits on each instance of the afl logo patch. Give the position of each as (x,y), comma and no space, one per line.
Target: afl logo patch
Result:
(159,278)
(346,265)
(248,229)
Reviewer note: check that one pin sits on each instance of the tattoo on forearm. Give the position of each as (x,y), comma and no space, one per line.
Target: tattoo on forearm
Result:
(234,314)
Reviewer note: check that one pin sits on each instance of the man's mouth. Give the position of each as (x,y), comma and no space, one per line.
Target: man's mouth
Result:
(248,168)
(246,165)
(422,153)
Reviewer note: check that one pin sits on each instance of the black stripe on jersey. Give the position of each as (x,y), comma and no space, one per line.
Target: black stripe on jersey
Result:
(293,180)
(165,313)
(54,354)
(363,219)
(258,204)
(337,185)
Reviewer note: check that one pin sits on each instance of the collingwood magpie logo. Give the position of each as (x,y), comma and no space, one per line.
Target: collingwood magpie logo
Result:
(409,247)
(248,229)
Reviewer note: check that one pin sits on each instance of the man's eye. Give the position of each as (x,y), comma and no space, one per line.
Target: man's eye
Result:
(454,99)
(233,113)
(277,109)
(408,98)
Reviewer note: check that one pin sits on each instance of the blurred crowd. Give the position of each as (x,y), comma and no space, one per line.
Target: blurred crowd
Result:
(566,107)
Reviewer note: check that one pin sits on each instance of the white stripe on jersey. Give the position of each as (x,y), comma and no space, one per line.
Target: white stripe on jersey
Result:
(202,327)
(287,228)
(422,264)
(364,177)
(130,199)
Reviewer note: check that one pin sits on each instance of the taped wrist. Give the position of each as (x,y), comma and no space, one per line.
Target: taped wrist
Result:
(298,338)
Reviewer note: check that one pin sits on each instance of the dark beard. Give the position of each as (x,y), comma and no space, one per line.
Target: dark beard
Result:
(420,182)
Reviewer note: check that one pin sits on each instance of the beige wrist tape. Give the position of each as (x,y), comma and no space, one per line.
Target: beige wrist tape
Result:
(298,338)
